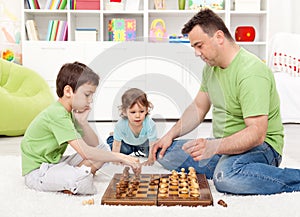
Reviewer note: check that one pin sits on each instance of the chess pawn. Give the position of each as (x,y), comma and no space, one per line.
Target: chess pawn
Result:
(174,173)
(184,184)
(191,169)
(135,182)
(118,191)
(192,175)
(184,190)
(174,182)
(194,185)
(194,193)
(182,176)
(152,180)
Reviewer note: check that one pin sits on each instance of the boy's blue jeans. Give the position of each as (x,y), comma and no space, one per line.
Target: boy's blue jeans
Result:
(253,172)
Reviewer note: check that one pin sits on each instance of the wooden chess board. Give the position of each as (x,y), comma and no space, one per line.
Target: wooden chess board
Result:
(148,192)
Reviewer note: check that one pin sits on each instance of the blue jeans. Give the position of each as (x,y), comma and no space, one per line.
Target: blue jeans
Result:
(253,172)
(128,149)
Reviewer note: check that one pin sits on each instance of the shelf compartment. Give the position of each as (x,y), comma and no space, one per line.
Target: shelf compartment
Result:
(84,19)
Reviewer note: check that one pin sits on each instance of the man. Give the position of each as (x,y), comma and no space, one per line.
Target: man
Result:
(244,155)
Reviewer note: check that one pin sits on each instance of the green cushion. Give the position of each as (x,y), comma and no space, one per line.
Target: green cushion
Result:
(23,95)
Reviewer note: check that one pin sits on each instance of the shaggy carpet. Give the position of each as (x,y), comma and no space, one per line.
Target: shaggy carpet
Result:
(18,201)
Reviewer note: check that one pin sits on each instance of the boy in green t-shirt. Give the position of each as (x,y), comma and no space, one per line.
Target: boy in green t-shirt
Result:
(64,123)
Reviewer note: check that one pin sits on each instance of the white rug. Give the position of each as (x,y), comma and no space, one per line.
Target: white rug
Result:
(18,201)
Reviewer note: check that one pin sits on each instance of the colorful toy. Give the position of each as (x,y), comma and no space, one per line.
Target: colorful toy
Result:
(8,55)
(122,30)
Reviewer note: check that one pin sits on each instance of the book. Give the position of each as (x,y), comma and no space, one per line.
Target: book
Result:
(65,33)
(30,4)
(48,4)
(54,30)
(62,5)
(60,30)
(86,34)
(49,31)
(36,4)
(55,4)
(32,31)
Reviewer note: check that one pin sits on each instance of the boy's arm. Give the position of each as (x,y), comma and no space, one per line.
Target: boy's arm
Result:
(98,155)
(89,135)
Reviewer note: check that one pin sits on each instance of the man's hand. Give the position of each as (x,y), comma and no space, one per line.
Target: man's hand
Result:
(200,149)
(164,143)
(149,162)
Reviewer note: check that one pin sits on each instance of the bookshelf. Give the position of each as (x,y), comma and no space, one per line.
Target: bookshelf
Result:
(46,57)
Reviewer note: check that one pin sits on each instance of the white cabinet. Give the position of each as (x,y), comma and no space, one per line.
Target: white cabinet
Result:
(170,73)
(257,19)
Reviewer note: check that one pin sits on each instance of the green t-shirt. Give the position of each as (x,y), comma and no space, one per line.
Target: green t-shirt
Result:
(245,88)
(47,137)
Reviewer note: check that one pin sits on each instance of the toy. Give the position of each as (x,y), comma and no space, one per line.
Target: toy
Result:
(179,39)
(158,30)
(8,55)
(122,30)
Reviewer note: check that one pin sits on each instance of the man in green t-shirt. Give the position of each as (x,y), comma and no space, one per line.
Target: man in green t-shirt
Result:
(44,165)
(244,155)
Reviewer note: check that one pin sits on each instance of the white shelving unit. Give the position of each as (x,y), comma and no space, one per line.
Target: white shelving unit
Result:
(46,57)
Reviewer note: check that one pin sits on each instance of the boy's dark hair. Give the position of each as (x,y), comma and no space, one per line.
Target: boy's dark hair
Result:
(131,97)
(209,21)
(75,74)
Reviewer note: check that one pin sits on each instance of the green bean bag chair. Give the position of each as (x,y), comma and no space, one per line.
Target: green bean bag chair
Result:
(23,95)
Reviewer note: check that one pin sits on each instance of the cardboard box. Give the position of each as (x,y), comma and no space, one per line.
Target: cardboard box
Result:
(88,5)
(86,34)
(122,30)
(247,5)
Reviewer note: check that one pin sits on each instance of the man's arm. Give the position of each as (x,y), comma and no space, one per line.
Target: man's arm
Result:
(190,119)
(193,115)
(253,135)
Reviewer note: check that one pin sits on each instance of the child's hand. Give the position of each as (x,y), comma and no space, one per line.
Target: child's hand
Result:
(133,162)
(81,116)
(149,162)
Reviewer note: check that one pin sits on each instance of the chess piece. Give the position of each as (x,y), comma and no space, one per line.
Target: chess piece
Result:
(222,203)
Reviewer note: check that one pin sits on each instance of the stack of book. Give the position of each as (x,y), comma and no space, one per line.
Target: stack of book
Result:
(33,4)
(57,30)
(56,4)
(50,4)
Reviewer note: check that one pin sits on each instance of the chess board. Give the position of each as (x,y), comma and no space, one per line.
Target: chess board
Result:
(148,192)
(174,197)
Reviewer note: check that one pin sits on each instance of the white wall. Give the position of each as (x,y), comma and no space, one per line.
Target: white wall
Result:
(284,15)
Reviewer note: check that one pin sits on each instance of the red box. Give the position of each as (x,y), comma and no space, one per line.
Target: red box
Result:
(245,33)
(88,5)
